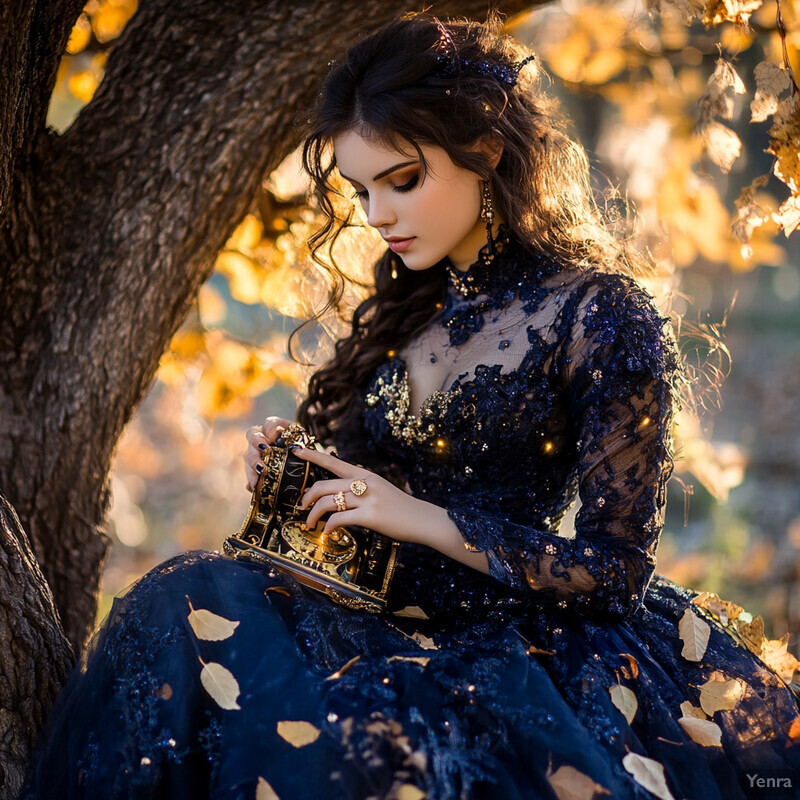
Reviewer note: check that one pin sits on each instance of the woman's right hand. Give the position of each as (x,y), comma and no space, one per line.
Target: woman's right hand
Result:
(258,439)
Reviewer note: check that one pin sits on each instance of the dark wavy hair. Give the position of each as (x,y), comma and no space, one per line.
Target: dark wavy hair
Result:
(393,87)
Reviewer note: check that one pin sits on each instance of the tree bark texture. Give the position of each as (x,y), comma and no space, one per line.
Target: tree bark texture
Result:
(36,657)
(108,230)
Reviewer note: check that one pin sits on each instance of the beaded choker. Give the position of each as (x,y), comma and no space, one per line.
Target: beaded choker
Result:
(488,271)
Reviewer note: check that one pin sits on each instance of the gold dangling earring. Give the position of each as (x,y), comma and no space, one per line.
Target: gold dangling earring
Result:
(487,215)
(394,270)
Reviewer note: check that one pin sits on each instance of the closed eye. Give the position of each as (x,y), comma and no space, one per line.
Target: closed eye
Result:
(405,187)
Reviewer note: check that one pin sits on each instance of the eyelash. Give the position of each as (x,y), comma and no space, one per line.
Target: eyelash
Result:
(406,187)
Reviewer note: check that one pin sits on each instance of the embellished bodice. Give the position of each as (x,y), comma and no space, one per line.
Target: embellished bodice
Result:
(553,382)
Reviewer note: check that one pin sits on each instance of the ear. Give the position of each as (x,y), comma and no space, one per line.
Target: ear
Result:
(492,147)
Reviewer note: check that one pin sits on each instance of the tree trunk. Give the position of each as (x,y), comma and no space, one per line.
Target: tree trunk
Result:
(36,657)
(107,231)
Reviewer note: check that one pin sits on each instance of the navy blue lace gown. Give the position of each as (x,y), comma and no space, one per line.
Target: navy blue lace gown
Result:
(562,674)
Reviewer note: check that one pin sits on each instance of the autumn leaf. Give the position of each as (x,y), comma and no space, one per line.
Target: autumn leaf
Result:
(752,634)
(339,672)
(721,143)
(533,650)
(298,733)
(694,633)
(649,773)
(771,81)
(208,626)
(220,684)
(788,215)
(777,658)
(750,215)
(634,666)
(720,695)
(783,137)
(570,784)
(421,660)
(703,731)
(736,11)
(410,792)
(264,791)
(689,710)
(411,611)
(425,642)
(716,101)
(625,700)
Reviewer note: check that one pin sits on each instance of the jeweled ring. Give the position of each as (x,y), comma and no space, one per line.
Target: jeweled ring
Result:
(358,487)
(338,498)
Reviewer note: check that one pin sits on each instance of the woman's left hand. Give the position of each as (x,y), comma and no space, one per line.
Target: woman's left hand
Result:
(383,507)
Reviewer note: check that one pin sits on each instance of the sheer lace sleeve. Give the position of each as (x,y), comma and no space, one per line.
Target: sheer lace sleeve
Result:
(619,363)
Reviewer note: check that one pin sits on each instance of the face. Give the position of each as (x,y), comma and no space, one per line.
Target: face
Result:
(422,220)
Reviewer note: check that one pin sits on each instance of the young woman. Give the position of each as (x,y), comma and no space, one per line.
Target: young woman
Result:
(507,361)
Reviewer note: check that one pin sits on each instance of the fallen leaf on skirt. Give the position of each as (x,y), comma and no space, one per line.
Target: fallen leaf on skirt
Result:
(634,666)
(625,700)
(720,695)
(533,649)
(410,792)
(649,773)
(264,791)
(688,710)
(702,731)
(278,590)
(411,611)
(421,660)
(425,642)
(339,672)
(794,730)
(694,633)
(723,610)
(752,634)
(570,784)
(220,684)
(208,626)
(298,733)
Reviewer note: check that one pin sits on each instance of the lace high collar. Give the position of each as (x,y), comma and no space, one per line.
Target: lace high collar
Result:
(512,265)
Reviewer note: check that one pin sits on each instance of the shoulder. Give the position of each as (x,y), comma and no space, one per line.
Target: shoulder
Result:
(615,314)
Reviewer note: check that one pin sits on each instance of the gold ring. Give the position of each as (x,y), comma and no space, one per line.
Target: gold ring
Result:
(358,487)
(338,498)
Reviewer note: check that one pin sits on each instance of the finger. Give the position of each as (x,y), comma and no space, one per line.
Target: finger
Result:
(252,466)
(256,439)
(340,519)
(320,489)
(324,505)
(338,467)
(273,427)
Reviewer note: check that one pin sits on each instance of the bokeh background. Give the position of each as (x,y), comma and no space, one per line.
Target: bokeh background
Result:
(633,85)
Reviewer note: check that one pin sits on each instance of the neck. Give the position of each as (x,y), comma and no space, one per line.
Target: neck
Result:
(469,249)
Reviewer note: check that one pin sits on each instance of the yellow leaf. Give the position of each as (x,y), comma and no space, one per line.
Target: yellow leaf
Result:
(737,11)
(425,642)
(220,684)
(777,658)
(723,610)
(532,650)
(298,733)
(752,634)
(771,81)
(703,731)
(715,101)
(694,633)
(625,700)
(722,144)
(410,792)
(788,215)
(411,611)
(264,791)
(210,627)
(421,660)
(783,137)
(688,710)
(649,773)
(570,784)
(720,695)
(634,666)
(339,672)
(80,35)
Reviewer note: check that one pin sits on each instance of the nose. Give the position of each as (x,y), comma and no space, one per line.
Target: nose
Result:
(380,213)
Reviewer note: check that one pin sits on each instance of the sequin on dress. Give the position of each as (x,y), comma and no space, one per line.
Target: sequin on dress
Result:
(563,670)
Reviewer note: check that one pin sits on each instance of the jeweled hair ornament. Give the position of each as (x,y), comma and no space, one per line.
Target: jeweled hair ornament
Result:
(450,64)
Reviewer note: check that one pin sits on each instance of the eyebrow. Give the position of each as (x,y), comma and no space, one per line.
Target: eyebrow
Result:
(385,172)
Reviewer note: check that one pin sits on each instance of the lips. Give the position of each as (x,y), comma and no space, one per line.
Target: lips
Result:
(400,245)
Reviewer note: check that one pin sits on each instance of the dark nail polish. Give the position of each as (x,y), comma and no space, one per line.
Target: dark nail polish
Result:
(262,446)
(259,468)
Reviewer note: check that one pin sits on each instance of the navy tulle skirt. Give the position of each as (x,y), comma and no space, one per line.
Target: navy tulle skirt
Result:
(271,690)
